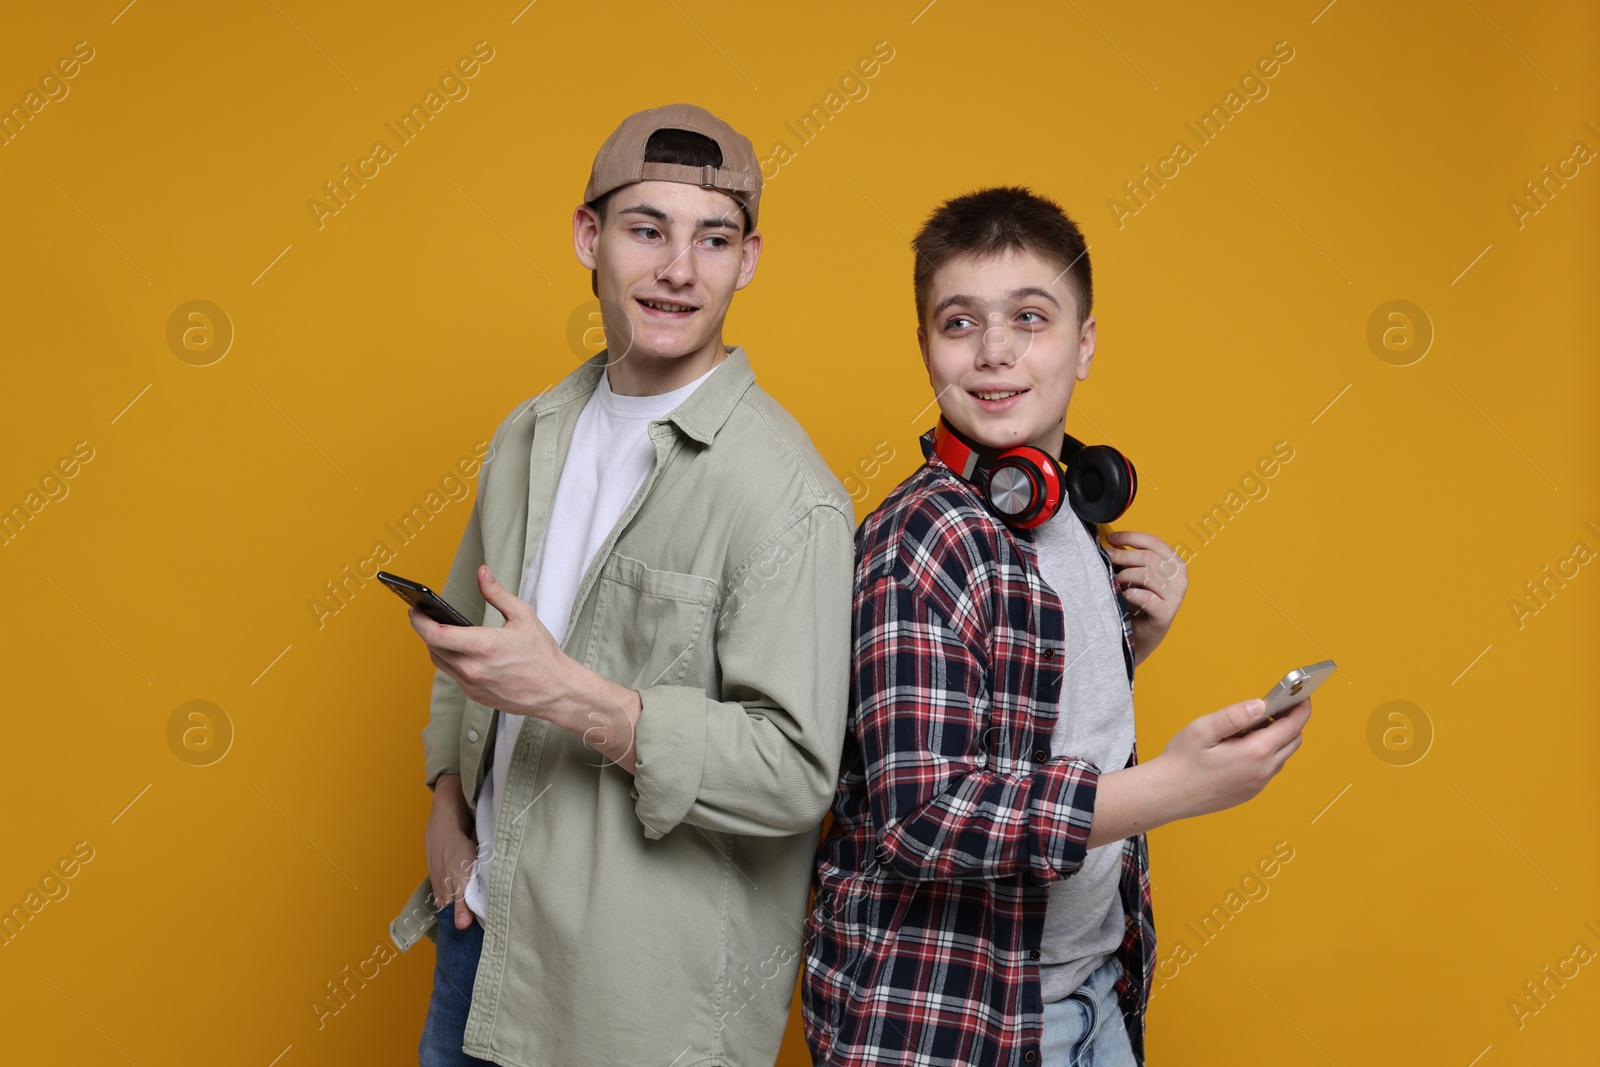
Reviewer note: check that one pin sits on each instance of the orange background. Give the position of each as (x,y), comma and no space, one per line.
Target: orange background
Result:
(371,353)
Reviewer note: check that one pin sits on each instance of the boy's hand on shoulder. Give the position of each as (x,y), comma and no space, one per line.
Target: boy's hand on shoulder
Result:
(1153,579)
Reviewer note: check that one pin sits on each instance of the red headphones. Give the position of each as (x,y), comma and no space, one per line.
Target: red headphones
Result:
(1024,486)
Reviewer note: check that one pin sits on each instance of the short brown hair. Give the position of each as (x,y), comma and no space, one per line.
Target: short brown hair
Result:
(996,220)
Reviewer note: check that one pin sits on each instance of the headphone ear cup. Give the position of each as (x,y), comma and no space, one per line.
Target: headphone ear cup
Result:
(1023,486)
(1101,483)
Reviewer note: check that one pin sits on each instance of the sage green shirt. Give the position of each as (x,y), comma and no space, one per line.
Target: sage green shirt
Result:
(657,917)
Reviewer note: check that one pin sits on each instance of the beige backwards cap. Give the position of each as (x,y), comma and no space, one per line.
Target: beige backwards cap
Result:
(620,160)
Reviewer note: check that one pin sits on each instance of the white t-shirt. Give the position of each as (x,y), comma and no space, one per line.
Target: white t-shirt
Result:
(610,457)
(1083,923)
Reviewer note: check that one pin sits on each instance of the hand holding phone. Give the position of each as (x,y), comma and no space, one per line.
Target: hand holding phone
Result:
(424,600)
(1291,689)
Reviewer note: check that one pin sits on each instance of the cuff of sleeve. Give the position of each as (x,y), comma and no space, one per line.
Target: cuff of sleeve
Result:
(1063,817)
(669,755)
(441,746)
(416,920)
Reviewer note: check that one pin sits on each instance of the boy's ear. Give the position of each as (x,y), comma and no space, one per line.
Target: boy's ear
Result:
(749,253)
(922,343)
(1086,339)
(585,234)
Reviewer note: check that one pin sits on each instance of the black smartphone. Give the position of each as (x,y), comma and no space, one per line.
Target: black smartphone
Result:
(423,599)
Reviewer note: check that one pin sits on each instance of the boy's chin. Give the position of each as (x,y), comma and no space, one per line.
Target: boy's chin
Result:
(999,432)
(668,348)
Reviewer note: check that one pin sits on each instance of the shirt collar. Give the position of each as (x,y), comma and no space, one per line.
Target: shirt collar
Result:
(933,460)
(700,416)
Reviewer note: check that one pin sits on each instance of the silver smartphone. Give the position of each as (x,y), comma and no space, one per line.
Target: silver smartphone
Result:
(1291,689)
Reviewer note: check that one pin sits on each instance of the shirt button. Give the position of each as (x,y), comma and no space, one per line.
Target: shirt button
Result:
(1049,653)
(1040,755)
(472,735)
(1034,954)
(1028,1056)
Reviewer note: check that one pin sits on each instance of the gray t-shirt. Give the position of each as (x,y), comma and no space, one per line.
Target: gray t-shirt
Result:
(1084,923)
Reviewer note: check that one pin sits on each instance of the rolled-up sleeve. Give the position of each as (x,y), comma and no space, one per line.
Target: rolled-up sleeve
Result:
(763,760)
(943,811)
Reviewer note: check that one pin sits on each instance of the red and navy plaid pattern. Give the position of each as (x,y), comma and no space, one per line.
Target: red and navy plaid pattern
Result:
(951,820)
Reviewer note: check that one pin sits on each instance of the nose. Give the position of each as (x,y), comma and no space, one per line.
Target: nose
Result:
(679,270)
(996,346)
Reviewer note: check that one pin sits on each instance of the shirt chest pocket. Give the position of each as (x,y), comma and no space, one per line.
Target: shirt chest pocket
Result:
(651,627)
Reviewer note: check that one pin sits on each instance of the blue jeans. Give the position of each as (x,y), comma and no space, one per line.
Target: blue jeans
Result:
(455,969)
(1085,1028)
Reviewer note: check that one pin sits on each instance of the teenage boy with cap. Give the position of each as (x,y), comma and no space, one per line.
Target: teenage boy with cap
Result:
(984,894)
(644,742)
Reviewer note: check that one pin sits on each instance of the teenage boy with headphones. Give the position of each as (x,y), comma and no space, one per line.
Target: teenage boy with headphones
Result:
(630,759)
(983,893)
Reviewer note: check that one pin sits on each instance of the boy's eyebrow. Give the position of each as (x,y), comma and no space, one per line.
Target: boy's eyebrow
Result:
(951,301)
(1015,294)
(1034,290)
(720,223)
(647,209)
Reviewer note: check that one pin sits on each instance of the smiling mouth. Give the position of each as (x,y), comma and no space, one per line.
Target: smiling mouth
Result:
(996,394)
(666,305)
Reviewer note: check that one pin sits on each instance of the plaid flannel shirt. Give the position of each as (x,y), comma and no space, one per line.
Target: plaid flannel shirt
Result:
(951,819)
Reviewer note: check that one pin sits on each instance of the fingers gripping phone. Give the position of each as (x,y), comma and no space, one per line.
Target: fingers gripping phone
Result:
(1291,689)
(424,600)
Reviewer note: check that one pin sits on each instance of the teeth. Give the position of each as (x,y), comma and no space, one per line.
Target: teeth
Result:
(661,306)
(996,396)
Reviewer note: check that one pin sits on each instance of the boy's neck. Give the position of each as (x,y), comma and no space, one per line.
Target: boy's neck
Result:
(640,375)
